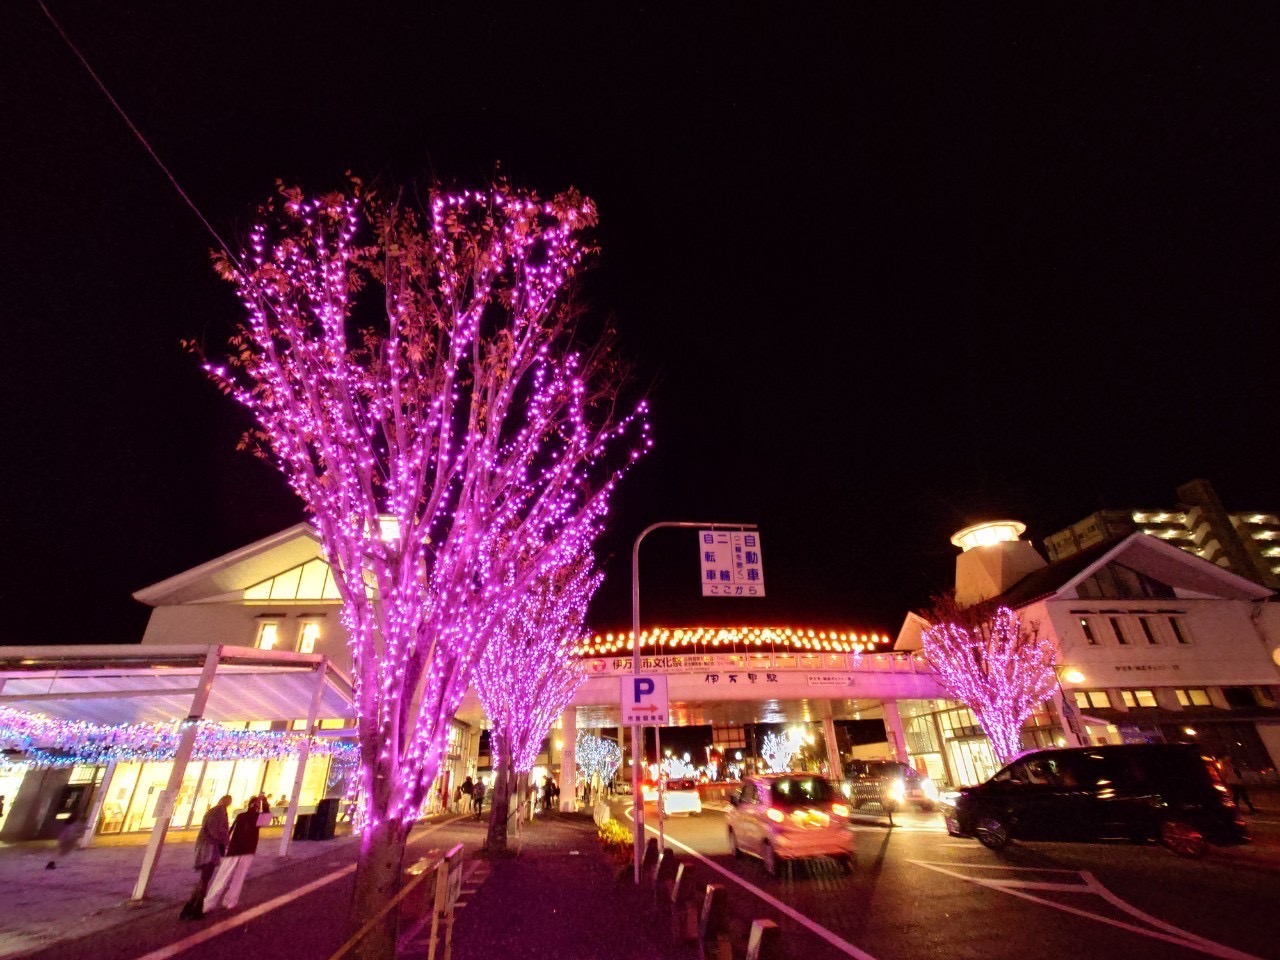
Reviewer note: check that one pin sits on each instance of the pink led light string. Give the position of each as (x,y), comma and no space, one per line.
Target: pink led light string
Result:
(419,364)
(1000,668)
(528,673)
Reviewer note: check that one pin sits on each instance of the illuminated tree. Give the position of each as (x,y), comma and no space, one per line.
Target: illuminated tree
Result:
(993,663)
(528,674)
(597,756)
(418,376)
(778,750)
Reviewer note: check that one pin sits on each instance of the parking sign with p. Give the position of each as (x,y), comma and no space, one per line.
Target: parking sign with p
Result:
(644,700)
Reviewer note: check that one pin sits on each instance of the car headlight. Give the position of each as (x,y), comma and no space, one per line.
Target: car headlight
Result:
(897,791)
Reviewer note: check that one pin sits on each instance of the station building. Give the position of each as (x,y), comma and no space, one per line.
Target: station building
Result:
(1154,643)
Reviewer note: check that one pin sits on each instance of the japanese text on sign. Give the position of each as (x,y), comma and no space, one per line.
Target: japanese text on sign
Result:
(731,565)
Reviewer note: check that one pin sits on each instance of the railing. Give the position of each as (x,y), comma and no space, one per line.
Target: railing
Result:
(446,871)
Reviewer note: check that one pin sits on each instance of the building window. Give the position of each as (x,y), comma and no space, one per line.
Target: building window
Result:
(308,635)
(1092,698)
(1239,696)
(268,634)
(1179,628)
(1147,632)
(1087,629)
(1138,698)
(1194,697)
(1115,625)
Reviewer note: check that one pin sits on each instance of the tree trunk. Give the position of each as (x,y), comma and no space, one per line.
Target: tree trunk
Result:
(379,870)
(496,842)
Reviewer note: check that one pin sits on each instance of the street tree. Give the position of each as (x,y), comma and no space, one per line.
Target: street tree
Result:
(994,663)
(529,674)
(420,376)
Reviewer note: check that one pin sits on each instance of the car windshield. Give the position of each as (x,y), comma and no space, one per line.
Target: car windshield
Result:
(681,785)
(794,791)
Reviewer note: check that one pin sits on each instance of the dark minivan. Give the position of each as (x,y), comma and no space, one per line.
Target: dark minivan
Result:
(1147,791)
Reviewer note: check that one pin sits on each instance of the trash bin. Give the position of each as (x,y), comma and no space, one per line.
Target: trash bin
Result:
(325,819)
(302,827)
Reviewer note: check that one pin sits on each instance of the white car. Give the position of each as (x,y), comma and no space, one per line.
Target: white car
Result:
(678,796)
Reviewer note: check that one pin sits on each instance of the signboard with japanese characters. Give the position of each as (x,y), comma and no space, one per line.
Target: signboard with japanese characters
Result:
(644,701)
(731,564)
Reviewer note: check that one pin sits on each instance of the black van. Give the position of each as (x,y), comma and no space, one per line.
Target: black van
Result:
(1148,791)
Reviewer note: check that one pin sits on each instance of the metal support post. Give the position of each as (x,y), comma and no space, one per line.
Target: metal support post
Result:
(95,809)
(569,760)
(292,814)
(637,796)
(835,769)
(186,742)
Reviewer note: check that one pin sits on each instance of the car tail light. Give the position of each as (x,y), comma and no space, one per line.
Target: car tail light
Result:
(839,809)
(775,815)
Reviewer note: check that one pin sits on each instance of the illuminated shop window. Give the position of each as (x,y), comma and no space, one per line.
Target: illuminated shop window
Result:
(1194,697)
(1092,698)
(268,634)
(1138,698)
(308,636)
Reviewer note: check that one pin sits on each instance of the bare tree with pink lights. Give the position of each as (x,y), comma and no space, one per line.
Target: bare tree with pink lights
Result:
(992,662)
(419,375)
(529,674)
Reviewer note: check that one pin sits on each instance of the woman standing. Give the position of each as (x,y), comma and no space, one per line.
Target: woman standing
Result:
(229,880)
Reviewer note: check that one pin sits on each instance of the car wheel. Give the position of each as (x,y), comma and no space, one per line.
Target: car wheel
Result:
(770,859)
(992,832)
(733,845)
(1182,838)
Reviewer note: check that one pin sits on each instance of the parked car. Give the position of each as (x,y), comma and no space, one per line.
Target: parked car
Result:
(790,816)
(678,796)
(889,784)
(1165,792)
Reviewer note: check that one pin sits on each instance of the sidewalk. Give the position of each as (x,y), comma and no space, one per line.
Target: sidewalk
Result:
(560,899)
(89,890)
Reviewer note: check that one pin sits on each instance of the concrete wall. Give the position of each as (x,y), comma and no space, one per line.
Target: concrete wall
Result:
(237,624)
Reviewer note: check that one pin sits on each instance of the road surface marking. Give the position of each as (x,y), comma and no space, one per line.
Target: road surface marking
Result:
(844,946)
(1090,886)
(240,919)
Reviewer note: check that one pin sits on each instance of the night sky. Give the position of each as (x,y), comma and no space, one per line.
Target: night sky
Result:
(884,270)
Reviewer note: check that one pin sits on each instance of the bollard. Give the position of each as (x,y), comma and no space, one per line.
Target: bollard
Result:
(765,942)
(650,858)
(664,873)
(684,912)
(713,925)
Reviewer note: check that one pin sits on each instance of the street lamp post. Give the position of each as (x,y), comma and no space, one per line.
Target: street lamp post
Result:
(637,797)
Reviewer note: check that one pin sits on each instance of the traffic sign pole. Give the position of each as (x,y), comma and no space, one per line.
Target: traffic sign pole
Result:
(637,730)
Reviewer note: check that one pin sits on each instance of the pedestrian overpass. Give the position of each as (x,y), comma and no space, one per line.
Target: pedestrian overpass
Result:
(725,676)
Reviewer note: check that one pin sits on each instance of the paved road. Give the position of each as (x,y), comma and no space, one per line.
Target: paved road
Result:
(917,893)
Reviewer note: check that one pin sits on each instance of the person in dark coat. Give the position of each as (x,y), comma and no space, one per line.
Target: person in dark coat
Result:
(211,844)
(477,797)
(468,788)
(228,881)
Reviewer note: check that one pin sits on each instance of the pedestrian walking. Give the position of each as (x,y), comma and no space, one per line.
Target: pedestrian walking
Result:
(477,797)
(68,837)
(468,788)
(1232,777)
(211,844)
(228,880)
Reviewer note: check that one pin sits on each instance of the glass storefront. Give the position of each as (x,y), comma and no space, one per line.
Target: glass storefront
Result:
(136,787)
(947,739)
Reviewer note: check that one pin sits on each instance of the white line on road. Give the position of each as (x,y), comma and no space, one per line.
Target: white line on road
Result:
(1167,931)
(240,919)
(839,943)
